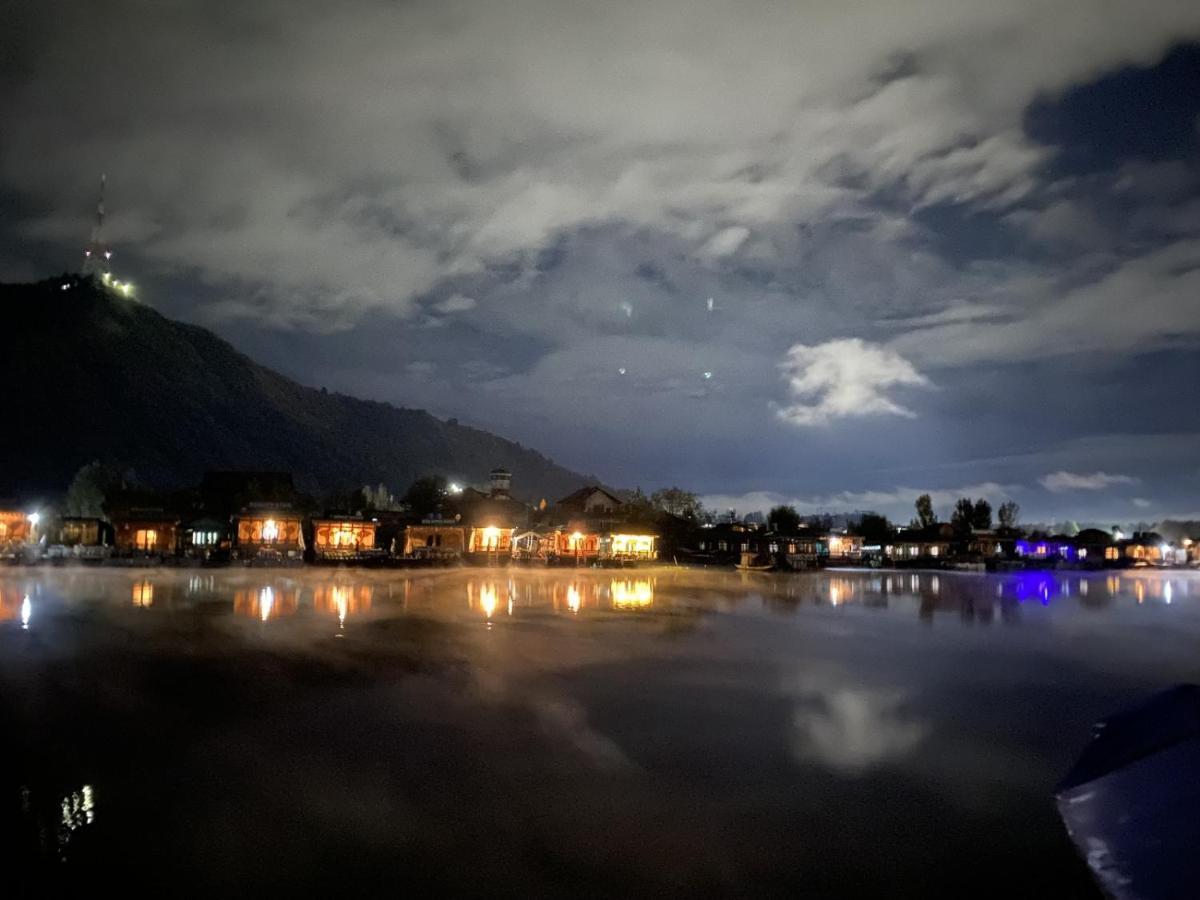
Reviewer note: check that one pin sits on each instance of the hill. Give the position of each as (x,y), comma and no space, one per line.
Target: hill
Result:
(88,375)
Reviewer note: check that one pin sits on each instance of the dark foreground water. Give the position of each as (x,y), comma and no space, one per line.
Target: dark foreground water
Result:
(246,732)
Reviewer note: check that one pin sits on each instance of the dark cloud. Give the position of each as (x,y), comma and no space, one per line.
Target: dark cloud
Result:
(982,220)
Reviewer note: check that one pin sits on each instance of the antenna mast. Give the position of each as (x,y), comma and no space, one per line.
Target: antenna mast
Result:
(96,255)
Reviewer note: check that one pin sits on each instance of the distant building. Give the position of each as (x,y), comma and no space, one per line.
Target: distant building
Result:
(491,520)
(592,507)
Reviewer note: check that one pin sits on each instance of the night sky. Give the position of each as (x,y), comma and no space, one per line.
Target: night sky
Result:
(950,246)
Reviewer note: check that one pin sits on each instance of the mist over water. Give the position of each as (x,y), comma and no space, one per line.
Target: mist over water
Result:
(598,731)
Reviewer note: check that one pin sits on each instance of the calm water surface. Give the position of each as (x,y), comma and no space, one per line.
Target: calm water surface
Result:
(596,733)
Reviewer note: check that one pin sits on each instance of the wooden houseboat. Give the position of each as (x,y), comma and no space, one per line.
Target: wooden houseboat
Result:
(571,545)
(843,549)
(208,538)
(81,537)
(146,533)
(491,520)
(343,538)
(435,540)
(632,543)
(270,534)
(491,542)
(919,546)
(16,527)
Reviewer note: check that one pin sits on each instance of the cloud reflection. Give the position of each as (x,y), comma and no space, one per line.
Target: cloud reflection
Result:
(851,728)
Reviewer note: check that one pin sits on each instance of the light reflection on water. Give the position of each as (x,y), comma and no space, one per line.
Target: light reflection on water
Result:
(495,594)
(768,706)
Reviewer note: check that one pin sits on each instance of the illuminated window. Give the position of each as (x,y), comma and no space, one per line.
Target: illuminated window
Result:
(1083,553)
(145,539)
(1111,553)
(343,537)
(3,529)
(270,530)
(933,551)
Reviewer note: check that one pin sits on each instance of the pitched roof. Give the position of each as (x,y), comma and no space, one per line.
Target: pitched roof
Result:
(577,498)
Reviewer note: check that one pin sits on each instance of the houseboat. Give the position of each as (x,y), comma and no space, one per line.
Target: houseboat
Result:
(146,533)
(81,537)
(16,532)
(435,539)
(343,538)
(491,519)
(207,538)
(270,534)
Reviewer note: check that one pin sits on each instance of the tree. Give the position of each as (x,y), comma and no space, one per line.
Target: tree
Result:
(92,487)
(378,498)
(925,513)
(638,506)
(677,502)
(873,528)
(981,515)
(784,519)
(1010,514)
(964,510)
(424,496)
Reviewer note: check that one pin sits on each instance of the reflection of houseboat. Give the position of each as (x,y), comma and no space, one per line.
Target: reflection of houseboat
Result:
(343,600)
(631,593)
(343,538)
(14,603)
(488,596)
(268,602)
(270,534)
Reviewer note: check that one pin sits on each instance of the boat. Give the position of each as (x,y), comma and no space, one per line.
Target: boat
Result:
(755,562)
(1131,804)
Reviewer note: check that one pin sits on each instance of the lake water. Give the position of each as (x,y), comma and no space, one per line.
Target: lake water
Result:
(597,733)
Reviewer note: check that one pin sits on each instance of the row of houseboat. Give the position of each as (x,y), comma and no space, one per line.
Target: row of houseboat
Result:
(943,546)
(588,527)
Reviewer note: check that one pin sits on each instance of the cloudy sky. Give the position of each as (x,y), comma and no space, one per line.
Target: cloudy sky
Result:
(826,252)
